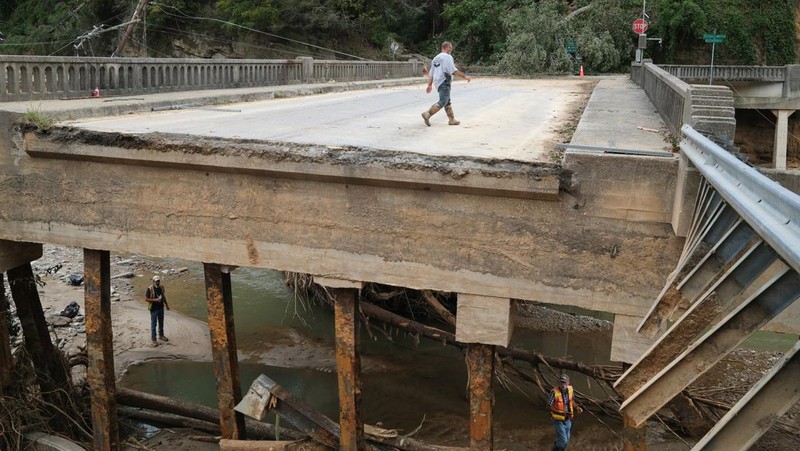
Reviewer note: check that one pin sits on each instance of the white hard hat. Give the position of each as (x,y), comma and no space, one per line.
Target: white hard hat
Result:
(156,278)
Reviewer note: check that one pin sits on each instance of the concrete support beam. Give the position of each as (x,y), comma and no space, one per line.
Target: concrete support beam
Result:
(6,359)
(100,348)
(781,138)
(348,364)
(480,364)
(759,409)
(483,319)
(713,346)
(223,346)
(686,186)
(16,253)
(627,345)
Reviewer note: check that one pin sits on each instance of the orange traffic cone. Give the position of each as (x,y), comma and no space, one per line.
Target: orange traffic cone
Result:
(581,74)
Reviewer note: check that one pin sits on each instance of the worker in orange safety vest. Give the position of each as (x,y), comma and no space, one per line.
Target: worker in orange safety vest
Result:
(562,410)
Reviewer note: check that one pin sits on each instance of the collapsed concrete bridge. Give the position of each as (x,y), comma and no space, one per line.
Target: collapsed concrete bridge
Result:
(596,229)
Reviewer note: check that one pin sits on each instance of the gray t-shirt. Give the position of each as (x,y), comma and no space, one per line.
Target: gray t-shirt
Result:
(441,66)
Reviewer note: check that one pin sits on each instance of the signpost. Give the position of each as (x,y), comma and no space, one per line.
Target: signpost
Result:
(713,39)
(639,26)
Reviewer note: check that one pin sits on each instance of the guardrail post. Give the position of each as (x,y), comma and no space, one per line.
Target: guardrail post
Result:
(307,68)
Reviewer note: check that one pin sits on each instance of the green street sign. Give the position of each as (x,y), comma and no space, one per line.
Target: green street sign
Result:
(714,38)
(571,46)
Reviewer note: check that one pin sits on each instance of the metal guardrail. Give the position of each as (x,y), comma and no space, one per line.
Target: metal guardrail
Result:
(770,209)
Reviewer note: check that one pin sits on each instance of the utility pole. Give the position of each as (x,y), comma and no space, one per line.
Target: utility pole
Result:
(134,20)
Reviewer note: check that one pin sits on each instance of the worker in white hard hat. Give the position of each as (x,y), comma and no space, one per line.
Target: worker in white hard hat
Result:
(156,302)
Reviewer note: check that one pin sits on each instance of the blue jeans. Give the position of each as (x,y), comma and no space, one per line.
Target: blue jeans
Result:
(562,432)
(444,92)
(156,316)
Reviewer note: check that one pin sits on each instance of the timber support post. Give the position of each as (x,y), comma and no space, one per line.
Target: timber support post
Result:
(482,322)
(50,373)
(480,364)
(6,359)
(12,254)
(100,348)
(633,438)
(223,346)
(348,360)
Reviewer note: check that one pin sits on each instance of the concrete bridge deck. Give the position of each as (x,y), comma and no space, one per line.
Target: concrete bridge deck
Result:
(353,188)
(504,119)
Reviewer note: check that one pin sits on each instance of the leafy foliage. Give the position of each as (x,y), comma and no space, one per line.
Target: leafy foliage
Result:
(522,36)
(476,27)
(539,31)
(757,32)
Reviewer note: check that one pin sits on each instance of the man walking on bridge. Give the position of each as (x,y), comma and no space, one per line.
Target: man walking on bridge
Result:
(443,68)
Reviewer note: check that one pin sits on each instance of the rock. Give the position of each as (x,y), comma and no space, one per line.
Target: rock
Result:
(126,262)
(125,275)
(58,321)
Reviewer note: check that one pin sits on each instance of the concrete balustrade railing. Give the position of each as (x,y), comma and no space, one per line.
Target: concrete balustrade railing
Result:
(728,73)
(42,77)
(668,93)
(708,109)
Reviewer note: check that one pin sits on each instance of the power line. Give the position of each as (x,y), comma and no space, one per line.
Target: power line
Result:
(289,50)
(249,29)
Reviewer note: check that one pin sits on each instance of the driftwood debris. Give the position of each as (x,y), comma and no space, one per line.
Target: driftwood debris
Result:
(602,372)
(179,409)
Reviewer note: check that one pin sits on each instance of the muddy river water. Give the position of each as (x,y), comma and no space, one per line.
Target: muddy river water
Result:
(406,381)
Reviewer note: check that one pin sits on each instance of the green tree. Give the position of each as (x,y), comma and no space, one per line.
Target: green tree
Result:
(476,28)
(257,14)
(535,40)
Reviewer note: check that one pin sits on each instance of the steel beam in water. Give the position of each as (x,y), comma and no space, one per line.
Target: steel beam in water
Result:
(480,364)
(348,364)
(223,346)
(100,350)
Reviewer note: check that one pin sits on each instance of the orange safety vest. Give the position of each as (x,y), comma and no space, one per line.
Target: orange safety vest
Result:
(558,403)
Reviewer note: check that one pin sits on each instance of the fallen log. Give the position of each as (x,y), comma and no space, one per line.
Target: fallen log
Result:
(133,398)
(265,445)
(601,372)
(167,419)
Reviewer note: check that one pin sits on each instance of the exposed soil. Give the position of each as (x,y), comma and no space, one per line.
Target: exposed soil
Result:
(755,137)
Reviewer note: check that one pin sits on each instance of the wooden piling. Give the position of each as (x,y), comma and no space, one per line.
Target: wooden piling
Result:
(633,438)
(6,359)
(348,364)
(480,364)
(100,349)
(223,346)
(50,372)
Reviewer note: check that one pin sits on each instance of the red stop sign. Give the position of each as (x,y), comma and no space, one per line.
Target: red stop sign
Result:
(639,26)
